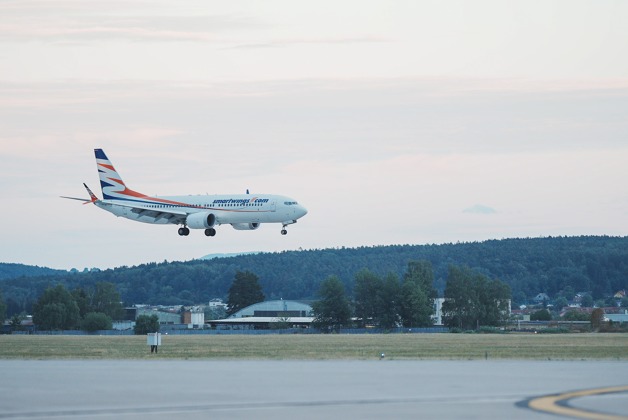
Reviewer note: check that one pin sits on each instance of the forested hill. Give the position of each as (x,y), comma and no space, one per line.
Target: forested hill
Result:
(11,271)
(588,263)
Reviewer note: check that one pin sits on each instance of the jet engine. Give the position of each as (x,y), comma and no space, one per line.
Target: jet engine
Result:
(245,226)
(201,220)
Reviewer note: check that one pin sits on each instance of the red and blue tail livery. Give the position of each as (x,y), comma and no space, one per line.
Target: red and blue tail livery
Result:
(241,211)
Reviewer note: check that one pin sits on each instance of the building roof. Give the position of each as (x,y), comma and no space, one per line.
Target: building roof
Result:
(274,306)
(264,320)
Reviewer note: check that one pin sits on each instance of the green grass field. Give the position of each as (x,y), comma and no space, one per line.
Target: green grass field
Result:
(318,347)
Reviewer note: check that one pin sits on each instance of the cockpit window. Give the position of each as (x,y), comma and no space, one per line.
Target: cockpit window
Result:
(290,203)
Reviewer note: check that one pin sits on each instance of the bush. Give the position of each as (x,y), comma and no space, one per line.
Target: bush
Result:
(145,324)
(574,315)
(492,330)
(96,321)
(555,330)
(541,315)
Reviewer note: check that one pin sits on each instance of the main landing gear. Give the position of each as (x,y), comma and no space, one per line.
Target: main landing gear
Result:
(185,231)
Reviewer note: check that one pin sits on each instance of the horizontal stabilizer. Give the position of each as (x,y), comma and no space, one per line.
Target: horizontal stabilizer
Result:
(92,196)
(78,199)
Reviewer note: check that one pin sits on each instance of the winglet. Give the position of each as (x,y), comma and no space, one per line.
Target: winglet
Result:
(91,194)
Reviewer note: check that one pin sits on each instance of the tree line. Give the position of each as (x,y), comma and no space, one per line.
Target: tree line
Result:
(471,300)
(81,309)
(556,266)
(386,302)
(86,309)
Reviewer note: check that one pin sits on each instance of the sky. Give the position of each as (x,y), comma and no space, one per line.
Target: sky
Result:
(392,122)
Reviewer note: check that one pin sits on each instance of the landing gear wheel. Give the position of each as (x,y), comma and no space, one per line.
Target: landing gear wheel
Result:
(210,232)
(284,232)
(183,231)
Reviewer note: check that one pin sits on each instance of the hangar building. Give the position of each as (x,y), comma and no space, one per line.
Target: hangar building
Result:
(263,315)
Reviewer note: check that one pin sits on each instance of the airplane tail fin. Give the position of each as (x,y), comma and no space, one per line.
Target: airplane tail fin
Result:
(110,181)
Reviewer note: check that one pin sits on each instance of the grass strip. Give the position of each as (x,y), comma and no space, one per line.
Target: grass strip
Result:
(323,347)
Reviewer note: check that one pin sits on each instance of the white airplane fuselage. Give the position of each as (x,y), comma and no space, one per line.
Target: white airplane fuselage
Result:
(241,211)
(227,209)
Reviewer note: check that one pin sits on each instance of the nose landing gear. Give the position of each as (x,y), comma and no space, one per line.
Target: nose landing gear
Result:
(283,229)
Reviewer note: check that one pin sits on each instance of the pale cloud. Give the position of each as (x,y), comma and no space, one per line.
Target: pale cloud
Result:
(133,29)
(326,120)
(165,40)
(480,209)
(279,43)
(386,120)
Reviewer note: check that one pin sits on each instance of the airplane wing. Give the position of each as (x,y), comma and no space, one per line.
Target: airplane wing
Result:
(171,216)
(158,216)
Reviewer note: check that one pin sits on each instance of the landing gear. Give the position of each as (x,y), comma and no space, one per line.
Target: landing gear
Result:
(284,224)
(185,231)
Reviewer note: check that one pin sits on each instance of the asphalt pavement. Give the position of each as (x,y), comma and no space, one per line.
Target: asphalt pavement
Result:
(377,389)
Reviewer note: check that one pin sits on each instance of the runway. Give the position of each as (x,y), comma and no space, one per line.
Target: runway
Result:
(163,389)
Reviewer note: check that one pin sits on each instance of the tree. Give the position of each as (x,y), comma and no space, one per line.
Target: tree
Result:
(587,301)
(390,295)
(145,324)
(472,299)
(244,291)
(597,317)
(526,264)
(51,316)
(421,273)
(560,303)
(96,321)
(56,310)
(541,315)
(460,308)
(494,297)
(416,302)
(82,301)
(16,322)
(332,311)
(3,308)
(568,293)
(106,300)
(368,294)
(415,307)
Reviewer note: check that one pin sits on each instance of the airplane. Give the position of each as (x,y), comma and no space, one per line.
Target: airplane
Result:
(241,211)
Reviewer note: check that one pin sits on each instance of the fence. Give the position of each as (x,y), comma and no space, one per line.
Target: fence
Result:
(253,332)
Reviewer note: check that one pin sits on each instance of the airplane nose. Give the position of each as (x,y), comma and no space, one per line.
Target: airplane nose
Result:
(302,211)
